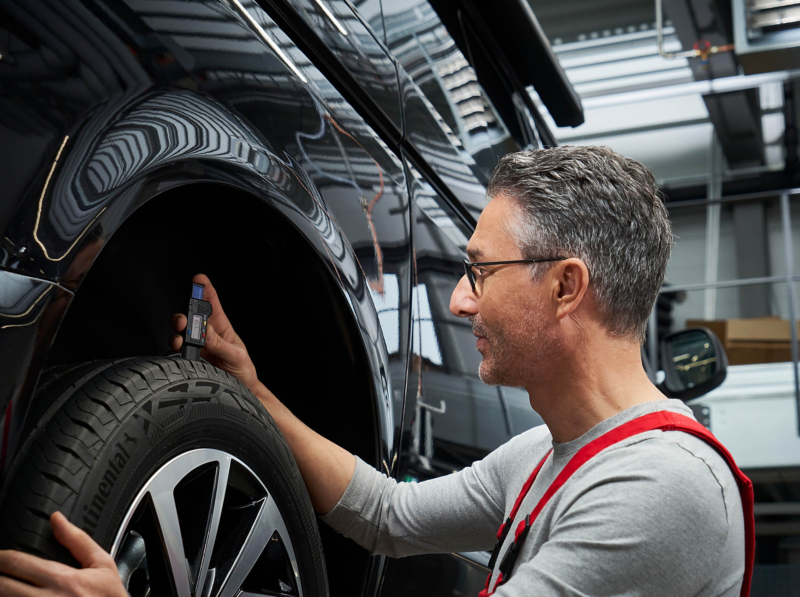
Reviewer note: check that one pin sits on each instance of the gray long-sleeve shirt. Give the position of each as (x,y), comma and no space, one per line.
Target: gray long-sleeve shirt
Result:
(656,514)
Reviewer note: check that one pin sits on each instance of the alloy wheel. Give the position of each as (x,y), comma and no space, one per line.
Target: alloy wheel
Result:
(204,525)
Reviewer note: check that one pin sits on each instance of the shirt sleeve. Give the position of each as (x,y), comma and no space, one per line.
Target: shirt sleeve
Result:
(639,528)
(457,512)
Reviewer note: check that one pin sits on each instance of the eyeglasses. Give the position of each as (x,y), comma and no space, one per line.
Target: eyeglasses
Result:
(473,278)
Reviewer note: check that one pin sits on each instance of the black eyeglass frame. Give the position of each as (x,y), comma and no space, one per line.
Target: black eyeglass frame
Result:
(468,265)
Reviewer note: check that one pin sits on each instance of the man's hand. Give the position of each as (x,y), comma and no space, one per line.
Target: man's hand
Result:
(224,349)
(24,575)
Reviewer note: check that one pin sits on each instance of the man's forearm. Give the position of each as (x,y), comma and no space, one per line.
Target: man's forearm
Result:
(326,468)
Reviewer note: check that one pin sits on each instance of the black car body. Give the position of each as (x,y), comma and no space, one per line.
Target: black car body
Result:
(324,162)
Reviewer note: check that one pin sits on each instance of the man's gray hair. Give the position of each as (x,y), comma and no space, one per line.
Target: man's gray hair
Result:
(594,204)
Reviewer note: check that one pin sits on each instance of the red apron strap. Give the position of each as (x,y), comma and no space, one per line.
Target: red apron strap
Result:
(676,422)
(664,421)
(524,492)
(503,530)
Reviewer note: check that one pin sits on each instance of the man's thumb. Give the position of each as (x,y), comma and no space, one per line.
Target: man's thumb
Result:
(83,548)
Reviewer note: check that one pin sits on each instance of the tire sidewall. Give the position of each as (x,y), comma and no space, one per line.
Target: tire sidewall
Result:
(187,415)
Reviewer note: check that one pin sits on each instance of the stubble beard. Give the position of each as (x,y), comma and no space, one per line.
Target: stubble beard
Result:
(512,359)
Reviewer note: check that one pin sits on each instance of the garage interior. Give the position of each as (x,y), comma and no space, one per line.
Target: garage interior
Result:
(705,93)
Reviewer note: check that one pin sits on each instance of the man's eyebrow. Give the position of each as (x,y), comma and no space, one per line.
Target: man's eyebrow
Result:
(474,254)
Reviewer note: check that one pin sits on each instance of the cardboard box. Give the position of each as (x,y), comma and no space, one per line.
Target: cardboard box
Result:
(749,341)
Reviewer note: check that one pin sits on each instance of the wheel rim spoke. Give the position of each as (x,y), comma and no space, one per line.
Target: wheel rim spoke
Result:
(197,578)
(267,522)
(167,516)
(161,489)
(216,514)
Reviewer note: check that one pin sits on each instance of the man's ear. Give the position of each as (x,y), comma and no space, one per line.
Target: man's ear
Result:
(570,283)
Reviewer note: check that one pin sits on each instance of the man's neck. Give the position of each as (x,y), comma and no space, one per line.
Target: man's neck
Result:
(604,378)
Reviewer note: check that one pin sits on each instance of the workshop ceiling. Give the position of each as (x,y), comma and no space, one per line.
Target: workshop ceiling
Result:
(665,112)
(566,20)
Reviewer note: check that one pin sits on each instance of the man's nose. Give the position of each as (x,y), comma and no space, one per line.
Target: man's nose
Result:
(462,301)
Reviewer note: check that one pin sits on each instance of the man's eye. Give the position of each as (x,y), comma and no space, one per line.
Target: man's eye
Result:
(481,271)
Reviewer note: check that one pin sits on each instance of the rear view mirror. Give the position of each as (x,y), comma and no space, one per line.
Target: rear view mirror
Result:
(694,363)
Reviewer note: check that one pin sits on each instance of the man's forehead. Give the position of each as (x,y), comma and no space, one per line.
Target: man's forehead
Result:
(491,234)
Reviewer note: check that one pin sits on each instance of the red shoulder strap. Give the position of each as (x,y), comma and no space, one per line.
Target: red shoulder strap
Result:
(665,421)
(668,421)
(522,494)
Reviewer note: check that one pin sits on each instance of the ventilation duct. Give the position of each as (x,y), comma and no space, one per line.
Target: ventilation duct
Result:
(767,34)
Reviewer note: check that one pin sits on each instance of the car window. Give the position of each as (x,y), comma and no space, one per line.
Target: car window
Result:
(357,48)
(371,13)
(420,43)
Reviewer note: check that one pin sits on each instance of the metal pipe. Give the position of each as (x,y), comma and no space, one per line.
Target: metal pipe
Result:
(776,508)
(726,284)
(660,37)
(713,216)
(790,131)
(789,257)
(704,87)
(693,53)
(731,198)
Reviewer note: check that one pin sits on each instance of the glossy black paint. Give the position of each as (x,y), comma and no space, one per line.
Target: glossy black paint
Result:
(235,115)
(440,150)
(235,119)
(441,93)
(434,575)
(358,48)
(108,106)
(29,312)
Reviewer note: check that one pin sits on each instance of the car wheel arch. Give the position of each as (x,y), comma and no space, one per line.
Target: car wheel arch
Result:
(347,410)
(150,233)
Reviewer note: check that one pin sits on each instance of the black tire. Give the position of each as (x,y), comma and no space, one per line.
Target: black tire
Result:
(54,387)
(114,426)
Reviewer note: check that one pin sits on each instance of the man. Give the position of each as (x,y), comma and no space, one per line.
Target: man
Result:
(584,242)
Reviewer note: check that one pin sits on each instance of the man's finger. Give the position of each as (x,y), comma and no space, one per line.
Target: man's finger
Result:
(218,317)
(178,322)
(10,587)
(83,548)
(27,567)
(176,342)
